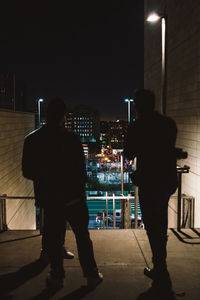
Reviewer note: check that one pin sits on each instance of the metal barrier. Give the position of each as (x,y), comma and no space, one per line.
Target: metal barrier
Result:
(125,211)
(125,221)
(3,223)
(187,209)
(185,212)
(180,171)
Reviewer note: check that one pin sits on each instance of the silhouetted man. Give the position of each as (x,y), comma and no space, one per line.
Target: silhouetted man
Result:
(151,139)
(56,160)
(44,256)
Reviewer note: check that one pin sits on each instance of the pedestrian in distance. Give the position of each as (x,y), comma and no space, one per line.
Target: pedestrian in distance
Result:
(53,158)
(151,140)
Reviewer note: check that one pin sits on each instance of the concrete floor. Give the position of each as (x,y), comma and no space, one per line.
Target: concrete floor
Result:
(120,254)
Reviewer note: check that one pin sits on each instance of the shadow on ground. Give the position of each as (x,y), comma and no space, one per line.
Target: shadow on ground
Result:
(77,294)
(11,281)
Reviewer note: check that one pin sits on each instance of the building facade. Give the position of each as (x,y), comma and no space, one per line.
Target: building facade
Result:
(12,93)
(104,133)
(20,213)
(183,79)
(84,121)
(112,133)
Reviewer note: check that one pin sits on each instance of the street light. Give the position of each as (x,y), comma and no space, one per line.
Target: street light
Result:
(129,108)
(39,101)
(154,17)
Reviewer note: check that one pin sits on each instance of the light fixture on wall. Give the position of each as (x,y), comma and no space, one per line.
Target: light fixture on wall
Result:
(155,17)
(39,102)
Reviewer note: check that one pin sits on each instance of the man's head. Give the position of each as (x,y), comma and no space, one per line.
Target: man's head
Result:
(56,111)
(144,101)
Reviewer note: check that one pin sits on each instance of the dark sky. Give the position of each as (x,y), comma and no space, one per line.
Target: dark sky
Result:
(87,52)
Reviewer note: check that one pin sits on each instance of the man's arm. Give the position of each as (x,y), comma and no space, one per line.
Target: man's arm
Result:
(80,159)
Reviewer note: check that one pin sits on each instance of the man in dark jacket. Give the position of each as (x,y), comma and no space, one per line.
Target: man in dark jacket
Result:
(151,139)
(53,158)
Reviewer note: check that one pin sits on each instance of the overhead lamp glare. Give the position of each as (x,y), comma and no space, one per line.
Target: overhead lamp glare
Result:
(154,17)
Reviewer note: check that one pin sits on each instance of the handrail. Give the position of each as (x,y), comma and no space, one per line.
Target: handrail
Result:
(16,197)
(110,197)
(89,198)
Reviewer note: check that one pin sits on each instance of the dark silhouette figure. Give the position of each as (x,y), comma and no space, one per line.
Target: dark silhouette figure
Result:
(44,251)
(53,158)
(151,139)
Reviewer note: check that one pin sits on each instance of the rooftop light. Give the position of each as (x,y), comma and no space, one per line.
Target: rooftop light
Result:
(154,17)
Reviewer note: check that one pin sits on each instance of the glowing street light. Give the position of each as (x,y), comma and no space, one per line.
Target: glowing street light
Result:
(39,101)
(154,17)
(129,108)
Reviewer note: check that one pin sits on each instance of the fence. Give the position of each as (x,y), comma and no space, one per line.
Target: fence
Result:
(113,211)
(116,211)
(187,211)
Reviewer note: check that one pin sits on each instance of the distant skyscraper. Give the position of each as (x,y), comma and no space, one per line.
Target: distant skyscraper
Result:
(104,133)
(85,122)
(117,131)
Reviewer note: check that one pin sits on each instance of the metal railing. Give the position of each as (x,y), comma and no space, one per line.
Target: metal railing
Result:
(185,214)
(125,206)
(109,214)
(180,171)
(187,211)
(3,198)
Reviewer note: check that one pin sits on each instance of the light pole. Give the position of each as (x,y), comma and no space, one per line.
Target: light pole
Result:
(39,101)
(154,17)
(128,101)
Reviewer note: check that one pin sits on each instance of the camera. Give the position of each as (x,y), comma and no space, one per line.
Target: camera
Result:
(180,154)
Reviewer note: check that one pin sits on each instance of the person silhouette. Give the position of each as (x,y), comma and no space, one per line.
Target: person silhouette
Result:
(151,139)
(44,251)
(53,158)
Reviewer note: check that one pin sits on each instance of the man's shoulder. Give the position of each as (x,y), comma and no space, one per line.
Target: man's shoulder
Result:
(35,134)
(163,117)
(70,135)
(70,138)
(167,120)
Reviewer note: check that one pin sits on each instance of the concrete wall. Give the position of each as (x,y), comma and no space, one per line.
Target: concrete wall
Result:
(14,126)
(183,79)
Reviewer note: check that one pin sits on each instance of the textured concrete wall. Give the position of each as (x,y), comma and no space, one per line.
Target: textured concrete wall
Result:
(183,79)
(14,126)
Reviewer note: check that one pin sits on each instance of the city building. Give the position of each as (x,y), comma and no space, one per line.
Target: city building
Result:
(112,133)
(117,132)
(12,93)
(84,121)
(104,133)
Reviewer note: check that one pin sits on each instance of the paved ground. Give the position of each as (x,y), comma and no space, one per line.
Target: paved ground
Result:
(121,256)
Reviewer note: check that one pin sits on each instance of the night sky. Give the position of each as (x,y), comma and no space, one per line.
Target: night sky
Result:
(87,52)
